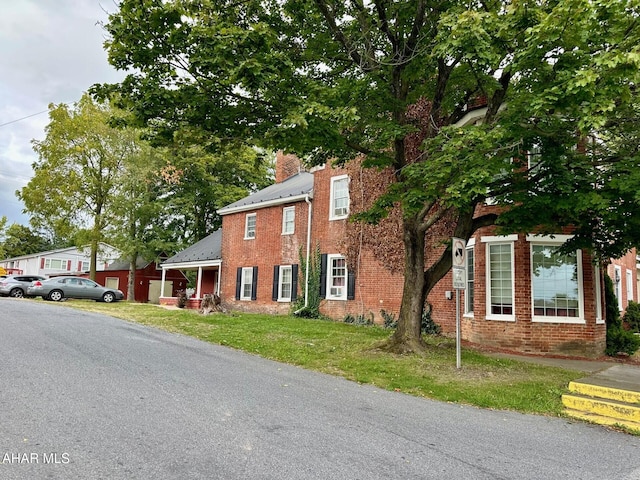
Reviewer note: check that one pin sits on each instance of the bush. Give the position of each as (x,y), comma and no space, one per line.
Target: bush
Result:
(612,314)
(307,312)
(620,340)
(358,319)
(182,299)
(389,319)
(632,316)
(428,326)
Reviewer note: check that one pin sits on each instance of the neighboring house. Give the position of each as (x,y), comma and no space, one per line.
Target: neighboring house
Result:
(148,279)
(70,260)
(521,294)
(205,258)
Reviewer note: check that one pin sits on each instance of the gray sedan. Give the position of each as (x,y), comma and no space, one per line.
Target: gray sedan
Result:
(59,288)
(16,285)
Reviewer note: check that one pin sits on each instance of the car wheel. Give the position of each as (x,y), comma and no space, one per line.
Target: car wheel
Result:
(108,297)
(16,293)
(56,295)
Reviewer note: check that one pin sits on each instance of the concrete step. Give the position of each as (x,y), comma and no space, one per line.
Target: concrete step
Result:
(614,409)
(601,420)
(602,391)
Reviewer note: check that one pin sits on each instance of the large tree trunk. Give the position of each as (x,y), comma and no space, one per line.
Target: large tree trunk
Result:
(131,284)
(419,282)
(407,337)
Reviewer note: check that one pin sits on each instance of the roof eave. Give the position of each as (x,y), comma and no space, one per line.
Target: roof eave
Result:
(268,203)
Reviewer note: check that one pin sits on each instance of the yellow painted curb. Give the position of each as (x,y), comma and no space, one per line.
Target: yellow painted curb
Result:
(600,420)
(598,391)
(606,408)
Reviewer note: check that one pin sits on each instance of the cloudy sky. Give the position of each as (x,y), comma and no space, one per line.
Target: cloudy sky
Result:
(51,51)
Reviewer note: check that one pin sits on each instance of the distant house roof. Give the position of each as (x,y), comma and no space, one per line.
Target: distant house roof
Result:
(209,249)
(123,264)
(48,253)
(293,189)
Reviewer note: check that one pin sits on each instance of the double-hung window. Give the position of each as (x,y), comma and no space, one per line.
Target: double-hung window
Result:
(246,286)
(556,286)
(336,277)
(285,283)
(500,277)
(469,291)
(288,220)
(339,197)
(250,226)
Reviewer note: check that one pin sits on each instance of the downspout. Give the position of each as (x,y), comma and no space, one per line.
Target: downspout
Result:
(306,273)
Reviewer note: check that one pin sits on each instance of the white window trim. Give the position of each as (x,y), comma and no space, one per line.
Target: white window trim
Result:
(598,287)
(629,278)
(63,263)
(280,277)
(546,319)
(285,210)
(501,240)
(332,216)
(470,246)
(246,226)
(330,259)
(243,283)
(617,285)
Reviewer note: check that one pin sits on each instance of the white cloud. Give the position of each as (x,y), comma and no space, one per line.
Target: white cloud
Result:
(51,51)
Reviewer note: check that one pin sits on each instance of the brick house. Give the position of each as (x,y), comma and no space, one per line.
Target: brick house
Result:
(521,294)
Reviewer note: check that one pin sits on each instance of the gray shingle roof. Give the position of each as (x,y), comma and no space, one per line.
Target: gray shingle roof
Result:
(209,248)
(292,189)
(123,264)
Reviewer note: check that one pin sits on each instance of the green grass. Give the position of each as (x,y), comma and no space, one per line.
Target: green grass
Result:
(349,351)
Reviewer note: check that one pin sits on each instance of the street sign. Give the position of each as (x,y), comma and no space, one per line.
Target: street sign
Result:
(459,278)
(459,253)
(459,263)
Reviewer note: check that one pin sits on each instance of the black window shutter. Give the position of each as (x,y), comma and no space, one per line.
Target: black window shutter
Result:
(254,284)
(323,275)
(294,282)
(276,278)
(351,286)
(238,282)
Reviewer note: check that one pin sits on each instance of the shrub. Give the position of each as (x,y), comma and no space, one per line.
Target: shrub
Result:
(612,314)
(632,316)
(620,340)
(312,310)
(427,325)
(181,301)
(358,319)
(389,319)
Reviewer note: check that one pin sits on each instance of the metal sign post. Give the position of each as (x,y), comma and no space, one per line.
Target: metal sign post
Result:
(459,270)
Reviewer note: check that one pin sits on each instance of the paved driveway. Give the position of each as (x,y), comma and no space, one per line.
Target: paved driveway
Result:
(86,396)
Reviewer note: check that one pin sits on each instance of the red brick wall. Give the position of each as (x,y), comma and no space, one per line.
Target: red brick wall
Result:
(268,248)
(376,288)
(286,166)
(523,334)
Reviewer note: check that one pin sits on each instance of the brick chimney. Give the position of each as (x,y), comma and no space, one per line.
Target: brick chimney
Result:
(286,166)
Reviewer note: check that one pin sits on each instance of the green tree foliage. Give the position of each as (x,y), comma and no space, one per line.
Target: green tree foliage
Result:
(198,182)
(20,240)
(397,81)
(77,176)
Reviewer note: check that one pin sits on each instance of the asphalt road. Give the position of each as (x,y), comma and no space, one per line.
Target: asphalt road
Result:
(85,396)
